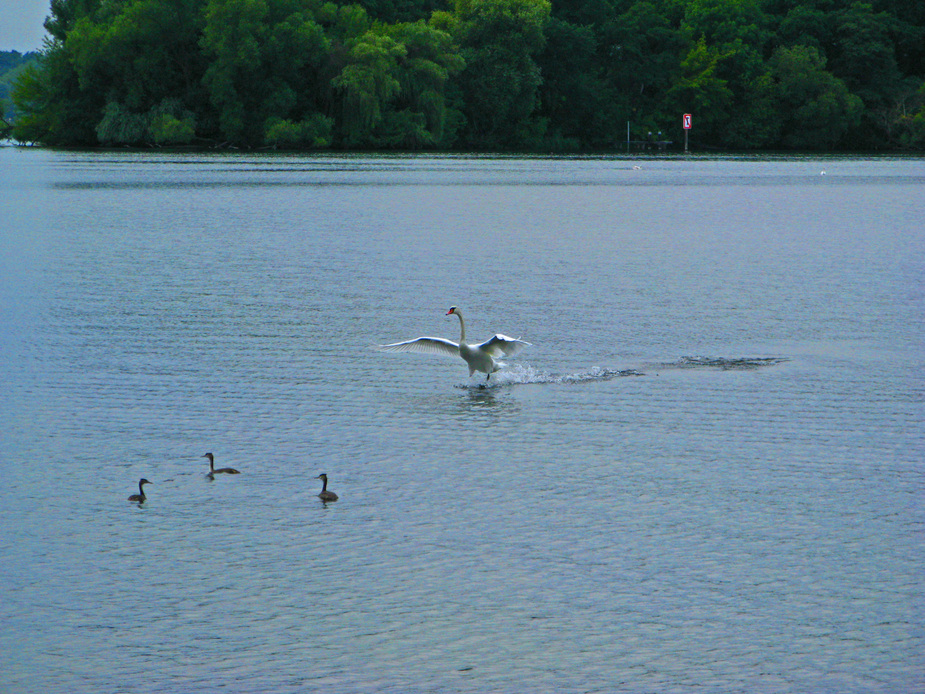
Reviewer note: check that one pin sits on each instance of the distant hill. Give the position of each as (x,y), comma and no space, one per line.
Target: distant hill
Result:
(11,59)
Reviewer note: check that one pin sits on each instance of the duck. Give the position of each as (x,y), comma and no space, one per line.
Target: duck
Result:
(325,495)
(224,470)
(481,357)
(140,496)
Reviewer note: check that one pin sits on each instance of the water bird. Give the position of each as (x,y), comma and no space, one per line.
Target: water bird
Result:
(224,470)
(140,496)
(479,357)
(325,495)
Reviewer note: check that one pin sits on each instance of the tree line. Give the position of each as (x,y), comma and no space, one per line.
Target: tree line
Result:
(517,75)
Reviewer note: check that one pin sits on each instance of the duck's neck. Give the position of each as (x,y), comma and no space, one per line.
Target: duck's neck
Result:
(141,490)
(324,484)
(462,326)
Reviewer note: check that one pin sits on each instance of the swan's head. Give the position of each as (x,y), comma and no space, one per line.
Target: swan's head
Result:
(453,309)
(144,481)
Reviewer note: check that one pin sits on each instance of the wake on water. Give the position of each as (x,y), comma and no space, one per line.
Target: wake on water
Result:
(723,363)
(522,374)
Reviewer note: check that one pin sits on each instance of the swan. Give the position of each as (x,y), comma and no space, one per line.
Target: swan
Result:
(479,357)
(140,496)
(325,495)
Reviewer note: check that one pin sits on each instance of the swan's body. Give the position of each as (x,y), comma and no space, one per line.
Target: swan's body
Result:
(479,357)
(224,470)
(325,495)
(140,496)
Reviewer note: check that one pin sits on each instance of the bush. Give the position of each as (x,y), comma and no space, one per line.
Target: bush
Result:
(313,132)
(168,123)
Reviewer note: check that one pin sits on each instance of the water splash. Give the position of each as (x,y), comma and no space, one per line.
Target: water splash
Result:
(522,374)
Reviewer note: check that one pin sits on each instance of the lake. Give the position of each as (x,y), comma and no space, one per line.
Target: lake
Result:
(704,474)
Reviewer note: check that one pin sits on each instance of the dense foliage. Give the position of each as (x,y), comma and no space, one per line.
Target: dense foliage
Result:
(12,64)
(478,74)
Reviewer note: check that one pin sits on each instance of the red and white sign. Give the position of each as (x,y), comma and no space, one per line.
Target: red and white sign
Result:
(687,121)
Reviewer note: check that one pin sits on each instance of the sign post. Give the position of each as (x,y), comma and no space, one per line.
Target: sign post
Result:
(686,122)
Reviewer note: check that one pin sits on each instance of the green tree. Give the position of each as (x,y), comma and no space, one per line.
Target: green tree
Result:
(313,132)
(499,41)
(265,57)
(431,59)
(737,32)
(909,123)
(6,128)
(51,108)
(64,15)
(141,58)
(818,109)
(580,106)
(401,11)
(701,91)
(907,33)
(368,82)
(642,50)
(50,104)
(866,60)
(12,64)
(481,74)
(168,123)
(805,25)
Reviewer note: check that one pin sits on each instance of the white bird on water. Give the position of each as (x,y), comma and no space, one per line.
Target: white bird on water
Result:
(479,357)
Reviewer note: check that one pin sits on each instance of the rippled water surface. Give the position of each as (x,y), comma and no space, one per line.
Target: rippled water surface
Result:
(705,474)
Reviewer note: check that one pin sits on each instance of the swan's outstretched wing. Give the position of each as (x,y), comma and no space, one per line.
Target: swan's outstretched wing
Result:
(428,345)
(503,345)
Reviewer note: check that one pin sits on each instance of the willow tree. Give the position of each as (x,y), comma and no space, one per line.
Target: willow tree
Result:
(367,83)
(431,59)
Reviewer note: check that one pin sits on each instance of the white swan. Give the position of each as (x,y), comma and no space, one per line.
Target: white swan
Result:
(478,357)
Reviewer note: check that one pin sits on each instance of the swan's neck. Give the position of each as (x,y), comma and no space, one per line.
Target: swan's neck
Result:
(462,326)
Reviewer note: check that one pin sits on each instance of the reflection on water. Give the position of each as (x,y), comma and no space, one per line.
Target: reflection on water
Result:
(608,514)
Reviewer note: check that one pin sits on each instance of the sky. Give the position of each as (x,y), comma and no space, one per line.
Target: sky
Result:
(21,24)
